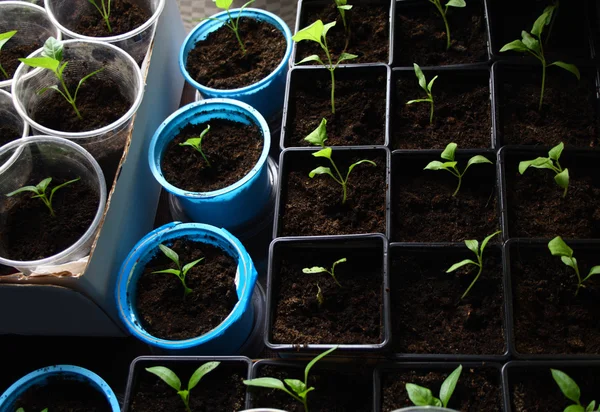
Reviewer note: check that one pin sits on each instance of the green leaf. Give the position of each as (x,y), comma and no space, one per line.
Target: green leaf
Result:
(556,151)
(305,392)
(530,42)
(449,152)
(321,171)
(43,185)
(193,142)
(437,165)
(569,261)
(353,165)
(169,271)
(540,23)
(312,33)
(558,247)
(430,85)
(266,383)
(84,79)
(315,360)
(486,240)
(538,163)
(418,101)
(420,396)
(591,407)
(342,260)
(53,49)
(62,68)
(296,385)
(473,246)
(4,37)
(456,3)
(21,410)
(325,152)
(346,56)
(200,372)
(562,179)
(461,264)
(319,135)
(167,375)
(478,159)
(190,265)
(420,77)
(574,408)
(449,385)
(170,253)
(320,297)
(326,28)
(314,269)
(43,62)
(223,4)
(311,58)
(567,385)
(568,67)
(23,189)
(594,271)
(516,45)
(346,7)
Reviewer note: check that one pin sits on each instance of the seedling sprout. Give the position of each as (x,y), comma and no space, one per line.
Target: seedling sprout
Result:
(180,272)
(343,6)
(444,11)
(40,191)
(4,38)
(558,247)
(104,10)
(421,396)
(331,272)
(196,143)
(571,390)
(231,23)
(427,88)
(551,162)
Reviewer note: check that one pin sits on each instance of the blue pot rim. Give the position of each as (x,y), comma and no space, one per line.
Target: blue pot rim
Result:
(143,247)
(192,36)
(200,106)
(20,386)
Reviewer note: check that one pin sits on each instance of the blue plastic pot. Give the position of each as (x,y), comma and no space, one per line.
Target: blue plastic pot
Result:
(41,376)
(232,207)
(232,333)
(267,94)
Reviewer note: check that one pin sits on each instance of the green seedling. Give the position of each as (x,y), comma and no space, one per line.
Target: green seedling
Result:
(427,88)
(104,10)
(532,44)
(450,165)
(52,60)
(180,272)
(317,137)
(331,272)
(171,379)
(196,143)
(474,247)
(421,396)
(558,247)
(553,11)
(4,38)
(444,10)
(343,6)
(551,162)
(572,392)
(299,390)
(317,32)
(40,191)
(231,23)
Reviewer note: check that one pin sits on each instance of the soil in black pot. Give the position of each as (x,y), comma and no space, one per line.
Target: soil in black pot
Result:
(220,390)
(424,210)
(569,113)
(350,313)
(360,106)
(462,112)
(8,133)
(369,32)
(478,389)
(537,208)
(428,315)
(31,233)
(63,395)
(162,309)
(311,207)
(232,148)
(218,61)
(549,317)
(421,35)
(11,53)
(534,389)
(125,16)
(340,389)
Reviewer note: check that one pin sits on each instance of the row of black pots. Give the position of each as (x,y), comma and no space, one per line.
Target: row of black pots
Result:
(352,384)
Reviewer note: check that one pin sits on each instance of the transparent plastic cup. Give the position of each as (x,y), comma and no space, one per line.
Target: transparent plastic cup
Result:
(57,158)
(84,57)
(64,14)
(9,115)
(30,21)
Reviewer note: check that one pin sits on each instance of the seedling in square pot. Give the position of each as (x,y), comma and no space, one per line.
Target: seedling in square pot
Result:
(171,379)
(427,88)
(551,162)
(180,272)
(343,6)
(317,32)
(104,10)
(233,25)
(532,44)
(571,390)
(558,247)
(40,191)
(474,247)
(450,165)
(421,396)
(444,10)
(299,390)
(4,38)
(196,143)
(331,272)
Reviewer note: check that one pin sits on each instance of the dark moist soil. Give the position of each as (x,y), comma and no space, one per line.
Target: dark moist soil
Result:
(549,318)
(462,112)
(162,309)
(232,149)
(220,390)
(350,314)
(360,99)
(63,395)
(313,207)
(537,209)
(125,16)
(8,133)
(477,389)
(339,390)
(569,113)
(219,62)
(10,55)
(369,33)
(421,35)
(31,233)
(534,389)
(424,210)
(421,289)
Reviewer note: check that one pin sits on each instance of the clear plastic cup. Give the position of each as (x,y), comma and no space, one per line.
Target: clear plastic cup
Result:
(30,21)
(57,157)
(65,13)
(9,115)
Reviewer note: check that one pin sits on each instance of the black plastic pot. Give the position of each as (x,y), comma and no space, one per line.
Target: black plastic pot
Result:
(290,158)
(437,255)
(450,77)
(188,362)
(322,251)
(493,370)
(539,373)
(358,72)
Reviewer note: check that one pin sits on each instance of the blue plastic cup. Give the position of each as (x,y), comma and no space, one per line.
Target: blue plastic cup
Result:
(41,376)
(266,95)
(234,206)
(232,333)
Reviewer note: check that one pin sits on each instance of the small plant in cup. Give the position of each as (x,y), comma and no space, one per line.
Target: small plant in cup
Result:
(561,176)
(427,88)
(41,190)
(196,143)
(4,38)
(558,247)
(421,396)
(231,23)
(180,272)
(444,11)
(331,272)
(571,390)
(104,10)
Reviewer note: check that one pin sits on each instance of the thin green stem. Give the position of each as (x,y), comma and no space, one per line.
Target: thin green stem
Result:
(457,187)
(69,98)
(474,280)
(431,112)
(543,84)
(332,91)
(579,282)
(305,403)
(234,27)
(4,72)
(106,14)
(443,13)
(341,181)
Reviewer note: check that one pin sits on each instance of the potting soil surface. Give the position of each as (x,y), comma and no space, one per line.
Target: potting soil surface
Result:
(8,133)
(125,16)
(9,58)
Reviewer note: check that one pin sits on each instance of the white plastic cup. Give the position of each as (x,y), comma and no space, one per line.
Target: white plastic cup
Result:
(9,115)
